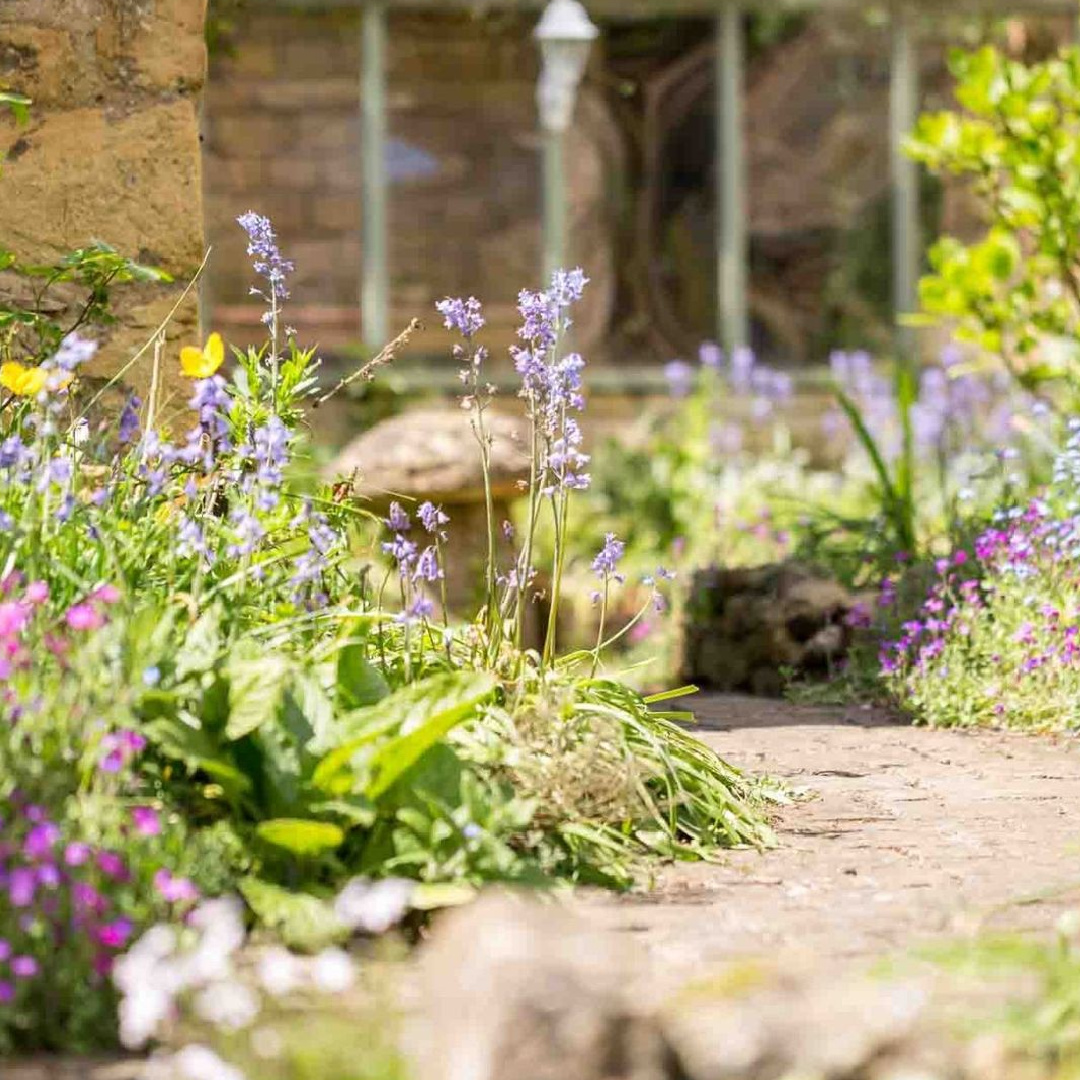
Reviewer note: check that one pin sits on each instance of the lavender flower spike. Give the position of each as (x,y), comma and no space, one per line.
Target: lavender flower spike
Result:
(268,261)
(464,316)
(606,563)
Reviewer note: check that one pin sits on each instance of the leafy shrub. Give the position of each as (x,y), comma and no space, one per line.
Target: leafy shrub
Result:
(1015,294)
(996,641)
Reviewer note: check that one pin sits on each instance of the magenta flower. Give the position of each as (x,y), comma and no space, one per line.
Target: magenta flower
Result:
(24,967)
(87,898)
(7,992)
(146,820)
(114,935)
(22,885)
(48,875)
(112,865)
(77,854)
(40,840)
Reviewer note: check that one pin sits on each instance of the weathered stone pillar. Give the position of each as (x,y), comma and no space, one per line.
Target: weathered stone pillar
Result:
(111,151)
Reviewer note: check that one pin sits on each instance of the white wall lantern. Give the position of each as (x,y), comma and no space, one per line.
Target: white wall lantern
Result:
(565,34)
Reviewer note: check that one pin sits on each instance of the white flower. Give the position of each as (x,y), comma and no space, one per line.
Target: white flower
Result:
(197,1062)
(221,922)
(374,906)
(279,971)
(332,971)
(144,978)
(141,1013)
(227,1004)
(139,964)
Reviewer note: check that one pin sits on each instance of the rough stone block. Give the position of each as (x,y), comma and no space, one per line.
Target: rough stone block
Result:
(133,181)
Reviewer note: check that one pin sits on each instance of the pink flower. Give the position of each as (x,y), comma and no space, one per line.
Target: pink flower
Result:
(13,618)
(119,748)
(5,950)
(77,854)
(7,992)
(106,594)
(24,967)
(37,592)
(175,890)
(84,617)
(146,820)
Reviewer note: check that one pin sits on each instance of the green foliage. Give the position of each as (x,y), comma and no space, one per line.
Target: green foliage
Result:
(895,485)
(30,330)
(1016,293)
(184,624)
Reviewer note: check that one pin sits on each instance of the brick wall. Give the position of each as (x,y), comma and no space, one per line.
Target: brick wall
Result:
(111,151)
(282,136)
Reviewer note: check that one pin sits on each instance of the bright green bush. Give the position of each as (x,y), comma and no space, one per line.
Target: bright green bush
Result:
(1015,294)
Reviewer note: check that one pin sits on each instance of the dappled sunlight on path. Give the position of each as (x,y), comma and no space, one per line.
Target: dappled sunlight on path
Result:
(901,835)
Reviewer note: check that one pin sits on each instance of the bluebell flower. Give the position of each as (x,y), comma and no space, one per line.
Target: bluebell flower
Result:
(606,563)
(431,516)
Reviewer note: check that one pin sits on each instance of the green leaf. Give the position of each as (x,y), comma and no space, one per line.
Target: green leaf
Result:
(359,682)
(256,692)
(201,644)
(301,920)
(430,710)
(19,104)
(668,695)
(301,836)
(355,810)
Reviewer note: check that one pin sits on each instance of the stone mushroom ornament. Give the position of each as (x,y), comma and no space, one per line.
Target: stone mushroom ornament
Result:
(431,454)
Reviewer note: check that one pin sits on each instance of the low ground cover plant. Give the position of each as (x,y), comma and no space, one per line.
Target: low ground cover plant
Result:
(995,642)
(206,686)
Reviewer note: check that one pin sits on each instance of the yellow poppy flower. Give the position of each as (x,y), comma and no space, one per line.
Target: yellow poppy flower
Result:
(21,380)
(202,363)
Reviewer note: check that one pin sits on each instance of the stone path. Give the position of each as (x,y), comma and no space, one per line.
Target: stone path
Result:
(905,834)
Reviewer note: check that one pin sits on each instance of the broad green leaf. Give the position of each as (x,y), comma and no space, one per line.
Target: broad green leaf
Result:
(308,712)
(301,836)
(201,644)
(428,709)
(359,682)
(301,920)
(256,692)
(333,774)
(432,708)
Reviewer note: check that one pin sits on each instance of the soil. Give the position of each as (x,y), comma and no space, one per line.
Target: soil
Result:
(901,835)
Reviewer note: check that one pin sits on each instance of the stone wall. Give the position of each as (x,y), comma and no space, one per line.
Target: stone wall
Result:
(282,127)
(111,151)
